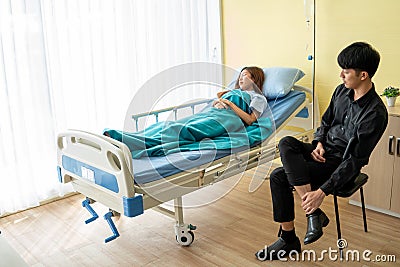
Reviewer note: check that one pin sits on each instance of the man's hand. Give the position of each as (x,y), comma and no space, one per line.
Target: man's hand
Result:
(312,200)
(318,153)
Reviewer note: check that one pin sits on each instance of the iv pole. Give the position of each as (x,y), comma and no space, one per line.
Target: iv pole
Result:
(309,11)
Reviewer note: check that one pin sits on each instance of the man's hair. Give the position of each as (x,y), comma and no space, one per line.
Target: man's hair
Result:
(361,57)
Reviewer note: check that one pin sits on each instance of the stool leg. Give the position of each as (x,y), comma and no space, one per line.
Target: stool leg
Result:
(339,233)
(363,209)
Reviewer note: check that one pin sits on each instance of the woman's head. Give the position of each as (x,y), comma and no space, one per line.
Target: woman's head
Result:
(251,78)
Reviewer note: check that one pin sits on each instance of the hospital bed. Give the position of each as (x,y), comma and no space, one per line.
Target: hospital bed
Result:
(102,169)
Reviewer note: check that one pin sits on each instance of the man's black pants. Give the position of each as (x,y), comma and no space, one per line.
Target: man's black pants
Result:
(298,169)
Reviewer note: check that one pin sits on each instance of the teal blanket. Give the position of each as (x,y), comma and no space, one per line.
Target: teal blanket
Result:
(211,129)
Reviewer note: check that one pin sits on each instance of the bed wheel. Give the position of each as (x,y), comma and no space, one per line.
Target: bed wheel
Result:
(184,234)
(185,239)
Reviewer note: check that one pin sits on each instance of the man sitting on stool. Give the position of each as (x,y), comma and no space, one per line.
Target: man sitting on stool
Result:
(317,169)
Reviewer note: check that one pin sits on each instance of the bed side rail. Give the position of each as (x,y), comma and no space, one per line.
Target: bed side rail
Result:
(302,88)
(100,168)
(192,105)
(299,124)
(313,105)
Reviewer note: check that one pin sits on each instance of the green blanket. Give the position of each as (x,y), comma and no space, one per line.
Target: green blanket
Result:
(212,129)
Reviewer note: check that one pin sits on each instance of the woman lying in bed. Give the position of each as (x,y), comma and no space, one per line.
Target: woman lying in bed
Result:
(235,121)
(250,80)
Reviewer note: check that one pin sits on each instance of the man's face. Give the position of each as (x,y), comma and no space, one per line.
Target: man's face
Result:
(351,78)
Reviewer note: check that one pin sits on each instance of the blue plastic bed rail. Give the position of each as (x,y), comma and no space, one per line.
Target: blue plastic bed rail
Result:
(86,204)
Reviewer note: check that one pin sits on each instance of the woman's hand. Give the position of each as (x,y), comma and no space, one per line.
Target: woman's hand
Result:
(219,104)
(247,118)
(318,153)
(225,102)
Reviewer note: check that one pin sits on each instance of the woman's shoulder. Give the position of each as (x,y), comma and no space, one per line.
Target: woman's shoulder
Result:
(254,94)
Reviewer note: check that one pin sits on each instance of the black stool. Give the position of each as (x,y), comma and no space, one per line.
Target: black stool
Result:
(345,192)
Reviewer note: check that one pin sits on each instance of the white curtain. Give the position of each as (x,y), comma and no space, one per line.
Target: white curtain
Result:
(77,64)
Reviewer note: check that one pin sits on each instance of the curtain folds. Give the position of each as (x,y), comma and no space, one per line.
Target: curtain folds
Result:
(77,64)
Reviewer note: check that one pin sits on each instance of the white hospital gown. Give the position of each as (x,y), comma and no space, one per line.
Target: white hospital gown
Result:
(258,102)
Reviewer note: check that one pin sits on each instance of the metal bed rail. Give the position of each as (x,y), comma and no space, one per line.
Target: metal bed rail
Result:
(174,109)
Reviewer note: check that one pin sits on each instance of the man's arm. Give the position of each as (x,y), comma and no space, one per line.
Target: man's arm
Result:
(367,136)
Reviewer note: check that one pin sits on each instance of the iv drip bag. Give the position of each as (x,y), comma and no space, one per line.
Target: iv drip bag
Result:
(308,9)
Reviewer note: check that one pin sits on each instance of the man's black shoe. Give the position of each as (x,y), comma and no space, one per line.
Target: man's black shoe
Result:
(278,250)
(314,227)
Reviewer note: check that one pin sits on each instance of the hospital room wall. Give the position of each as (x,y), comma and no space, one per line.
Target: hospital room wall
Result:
(275,33)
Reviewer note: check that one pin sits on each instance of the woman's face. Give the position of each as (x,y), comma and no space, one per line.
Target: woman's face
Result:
(245,81)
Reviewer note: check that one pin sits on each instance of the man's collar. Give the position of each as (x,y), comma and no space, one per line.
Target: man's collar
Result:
(364,99)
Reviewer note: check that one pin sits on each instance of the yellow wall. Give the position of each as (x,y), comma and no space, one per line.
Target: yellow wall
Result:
(271,33)
(258,32)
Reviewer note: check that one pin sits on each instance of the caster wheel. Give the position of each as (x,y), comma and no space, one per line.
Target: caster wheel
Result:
(185,239)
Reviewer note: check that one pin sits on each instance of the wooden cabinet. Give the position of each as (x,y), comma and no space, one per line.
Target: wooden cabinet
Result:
(395,200)
(382,191)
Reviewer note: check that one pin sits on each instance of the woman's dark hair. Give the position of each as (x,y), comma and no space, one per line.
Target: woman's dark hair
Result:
(359,56)
(257,75)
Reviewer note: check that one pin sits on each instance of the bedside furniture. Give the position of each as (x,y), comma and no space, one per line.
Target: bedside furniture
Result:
(382,192)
